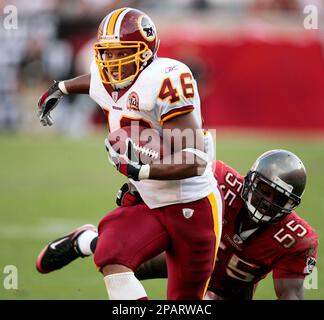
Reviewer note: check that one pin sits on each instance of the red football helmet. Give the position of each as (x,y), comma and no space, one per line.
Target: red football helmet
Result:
(125,28)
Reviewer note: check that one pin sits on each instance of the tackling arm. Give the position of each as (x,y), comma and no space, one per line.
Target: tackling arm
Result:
(154,268)
(291,269)
(289,289)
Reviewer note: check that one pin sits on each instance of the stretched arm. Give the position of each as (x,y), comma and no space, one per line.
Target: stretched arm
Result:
(289,289)
(51,97)
(79,84)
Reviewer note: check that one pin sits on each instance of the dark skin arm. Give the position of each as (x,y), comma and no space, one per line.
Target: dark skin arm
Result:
(78,85)
(154,268)
(180,167)
(289,289)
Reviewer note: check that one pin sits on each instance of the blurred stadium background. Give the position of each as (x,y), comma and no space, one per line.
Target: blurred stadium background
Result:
(261,80)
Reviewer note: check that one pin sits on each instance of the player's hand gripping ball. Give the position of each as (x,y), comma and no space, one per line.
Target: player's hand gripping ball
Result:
(140,144)
(132,149)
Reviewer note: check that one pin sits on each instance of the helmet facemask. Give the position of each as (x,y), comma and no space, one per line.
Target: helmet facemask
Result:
(116,71)
(267,201)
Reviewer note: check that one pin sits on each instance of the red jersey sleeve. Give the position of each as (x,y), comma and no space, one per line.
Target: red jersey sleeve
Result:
(300,260)
(221,170)
(230,183)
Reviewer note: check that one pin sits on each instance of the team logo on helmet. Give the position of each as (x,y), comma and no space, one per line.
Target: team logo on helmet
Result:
(115,96)
(147,28)
(133,101)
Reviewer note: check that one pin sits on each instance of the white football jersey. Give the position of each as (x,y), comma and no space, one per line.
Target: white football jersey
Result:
(164,89)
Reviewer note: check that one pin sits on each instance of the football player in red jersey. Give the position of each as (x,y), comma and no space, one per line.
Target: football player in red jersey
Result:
(135,87)
(261,231)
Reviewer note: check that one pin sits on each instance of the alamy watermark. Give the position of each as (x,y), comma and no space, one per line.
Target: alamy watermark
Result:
(171,146)
(10,280)
(311,19)
(10,17)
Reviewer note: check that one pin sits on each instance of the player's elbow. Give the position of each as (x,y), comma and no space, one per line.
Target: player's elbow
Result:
(196,161)
(290,296)
(289,289)
(200,168)
(195,169)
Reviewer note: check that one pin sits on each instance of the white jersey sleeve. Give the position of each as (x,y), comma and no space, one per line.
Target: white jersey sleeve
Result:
(178,92)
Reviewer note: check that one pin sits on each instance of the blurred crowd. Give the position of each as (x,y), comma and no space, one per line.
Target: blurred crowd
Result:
(53,41)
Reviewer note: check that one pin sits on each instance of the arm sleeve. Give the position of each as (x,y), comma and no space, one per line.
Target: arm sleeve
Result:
(178,94)
(298,263)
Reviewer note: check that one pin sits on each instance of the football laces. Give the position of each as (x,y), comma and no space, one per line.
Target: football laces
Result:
(146,151)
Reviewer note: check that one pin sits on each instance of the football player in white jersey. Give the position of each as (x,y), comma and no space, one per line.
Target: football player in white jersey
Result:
(182,209)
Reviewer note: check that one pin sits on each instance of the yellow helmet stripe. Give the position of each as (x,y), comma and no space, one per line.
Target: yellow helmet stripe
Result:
(105,24)
(112,21)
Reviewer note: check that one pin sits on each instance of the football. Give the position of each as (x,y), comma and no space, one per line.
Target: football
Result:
(147,143)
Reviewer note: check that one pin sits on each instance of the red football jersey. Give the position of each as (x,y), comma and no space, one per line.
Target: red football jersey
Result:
(288,248)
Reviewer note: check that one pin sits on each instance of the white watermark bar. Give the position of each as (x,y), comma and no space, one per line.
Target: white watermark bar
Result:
(151,146)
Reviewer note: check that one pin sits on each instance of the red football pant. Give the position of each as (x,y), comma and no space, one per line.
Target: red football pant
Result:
(132,235)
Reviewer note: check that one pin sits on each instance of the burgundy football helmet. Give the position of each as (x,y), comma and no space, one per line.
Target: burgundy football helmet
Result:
(125,28)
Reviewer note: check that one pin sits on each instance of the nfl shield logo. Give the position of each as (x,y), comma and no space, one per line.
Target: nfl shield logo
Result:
(115,96)
(310,264)
(187,213)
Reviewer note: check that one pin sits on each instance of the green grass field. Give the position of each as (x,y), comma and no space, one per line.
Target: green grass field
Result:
(50,185)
